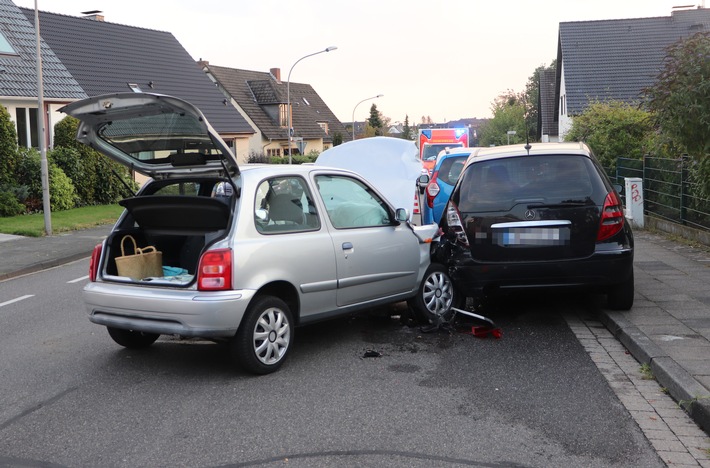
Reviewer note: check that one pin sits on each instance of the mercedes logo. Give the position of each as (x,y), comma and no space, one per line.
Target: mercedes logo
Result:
(529,214)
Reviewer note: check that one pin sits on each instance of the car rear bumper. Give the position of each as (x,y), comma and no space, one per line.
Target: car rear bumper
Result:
(598,272)
(215,314)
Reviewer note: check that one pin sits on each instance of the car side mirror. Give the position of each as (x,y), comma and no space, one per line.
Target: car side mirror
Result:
(422,182)
(401,215)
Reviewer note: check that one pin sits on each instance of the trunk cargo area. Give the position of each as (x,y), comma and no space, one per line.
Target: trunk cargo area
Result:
(180,227)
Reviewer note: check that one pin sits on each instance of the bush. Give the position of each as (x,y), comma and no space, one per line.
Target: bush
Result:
(613,129)
(29,173)
(9,205)
(97,179)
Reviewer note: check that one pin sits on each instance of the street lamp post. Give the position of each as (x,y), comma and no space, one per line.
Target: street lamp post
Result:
(41,130)
(288,96)
(367,99)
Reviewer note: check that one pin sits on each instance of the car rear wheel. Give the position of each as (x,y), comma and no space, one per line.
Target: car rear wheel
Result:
(436,296)
(621,296)
(264,336)
(132,339)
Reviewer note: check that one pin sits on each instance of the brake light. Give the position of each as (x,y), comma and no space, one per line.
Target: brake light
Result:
(455,226)
(94,263)
(432,190)
(612,219)
(214,272)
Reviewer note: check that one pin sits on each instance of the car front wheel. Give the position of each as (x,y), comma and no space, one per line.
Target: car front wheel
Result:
(132,339)
(436,296)
(264,336)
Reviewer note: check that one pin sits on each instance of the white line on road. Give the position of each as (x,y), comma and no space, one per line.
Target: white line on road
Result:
(83,278)
(21,298)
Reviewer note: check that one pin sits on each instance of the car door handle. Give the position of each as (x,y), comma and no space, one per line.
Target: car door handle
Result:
(347,245)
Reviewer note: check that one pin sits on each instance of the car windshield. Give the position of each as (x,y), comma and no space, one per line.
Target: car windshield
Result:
(500,184)
(432,151)
(157,137)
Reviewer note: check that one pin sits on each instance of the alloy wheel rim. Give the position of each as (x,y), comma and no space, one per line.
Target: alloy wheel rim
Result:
(272,336)
(438,294)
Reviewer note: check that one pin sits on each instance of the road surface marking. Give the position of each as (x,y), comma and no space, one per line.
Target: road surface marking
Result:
(78,279)
(21,298)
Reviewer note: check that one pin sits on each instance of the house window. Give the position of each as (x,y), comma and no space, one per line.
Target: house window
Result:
(26,119)
(283,116)
(563,105)
(324,126)
(273,152)
(5,47)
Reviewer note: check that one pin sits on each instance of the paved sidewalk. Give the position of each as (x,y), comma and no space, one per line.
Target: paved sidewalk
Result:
(22,255)
(668,327)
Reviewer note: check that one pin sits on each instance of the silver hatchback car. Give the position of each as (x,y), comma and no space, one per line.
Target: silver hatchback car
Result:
(247,252)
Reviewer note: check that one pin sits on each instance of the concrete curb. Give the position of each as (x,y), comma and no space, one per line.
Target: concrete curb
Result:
(683,387)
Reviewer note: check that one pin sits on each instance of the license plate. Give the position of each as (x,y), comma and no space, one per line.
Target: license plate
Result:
(532,236)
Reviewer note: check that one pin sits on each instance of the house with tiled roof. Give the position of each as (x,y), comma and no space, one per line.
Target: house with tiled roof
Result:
(18,76)
(262,98)
(615,59)
(105,57)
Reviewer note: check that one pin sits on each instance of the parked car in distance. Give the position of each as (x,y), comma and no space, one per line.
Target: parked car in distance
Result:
(537,216)
(248,253)
(447,169)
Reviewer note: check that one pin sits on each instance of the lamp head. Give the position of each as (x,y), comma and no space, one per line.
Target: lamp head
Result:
(328,49)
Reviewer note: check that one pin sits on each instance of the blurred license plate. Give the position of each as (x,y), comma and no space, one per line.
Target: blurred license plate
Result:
(532,236)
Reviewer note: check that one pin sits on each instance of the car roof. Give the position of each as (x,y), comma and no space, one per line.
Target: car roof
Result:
(532,149)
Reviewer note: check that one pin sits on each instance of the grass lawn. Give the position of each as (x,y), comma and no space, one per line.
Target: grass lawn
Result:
(69,220)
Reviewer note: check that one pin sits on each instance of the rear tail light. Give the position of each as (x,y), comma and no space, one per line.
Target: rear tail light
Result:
(94,263)
(612,219)
(455,226)
(432,190)
(214,272)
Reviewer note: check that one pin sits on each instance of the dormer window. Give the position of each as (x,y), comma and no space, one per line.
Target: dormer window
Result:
(283,116)
(324,126)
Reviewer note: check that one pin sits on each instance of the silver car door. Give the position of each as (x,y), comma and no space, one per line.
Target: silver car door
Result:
(376,257)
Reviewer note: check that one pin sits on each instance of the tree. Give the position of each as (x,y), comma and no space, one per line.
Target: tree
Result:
(532,98)
(613,129)
(508,114)
(680,98)
(8,148)
(406,130)
(375,121)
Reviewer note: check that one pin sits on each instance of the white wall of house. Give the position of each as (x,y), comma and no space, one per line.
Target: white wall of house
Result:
(565,120)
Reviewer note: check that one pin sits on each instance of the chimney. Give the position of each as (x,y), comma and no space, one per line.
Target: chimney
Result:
(276,72)
(203,63)
(93,15)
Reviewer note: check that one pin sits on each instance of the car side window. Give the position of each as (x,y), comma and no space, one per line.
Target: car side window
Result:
(352,204)
(284,204)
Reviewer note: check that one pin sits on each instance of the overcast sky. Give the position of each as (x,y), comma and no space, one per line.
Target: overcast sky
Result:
(448,61)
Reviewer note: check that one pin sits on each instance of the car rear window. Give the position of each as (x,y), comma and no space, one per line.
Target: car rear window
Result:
(500,184)
(451,168)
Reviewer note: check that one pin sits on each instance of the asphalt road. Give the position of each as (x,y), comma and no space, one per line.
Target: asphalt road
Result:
(69,396)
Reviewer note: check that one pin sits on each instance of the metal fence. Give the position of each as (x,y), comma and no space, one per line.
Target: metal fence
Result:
(670,191)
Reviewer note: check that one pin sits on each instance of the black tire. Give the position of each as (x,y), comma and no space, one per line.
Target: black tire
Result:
(132,339)
(436,296)
(621,296)
(265,335)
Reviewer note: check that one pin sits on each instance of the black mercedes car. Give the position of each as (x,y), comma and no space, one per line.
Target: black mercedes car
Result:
(542,215)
